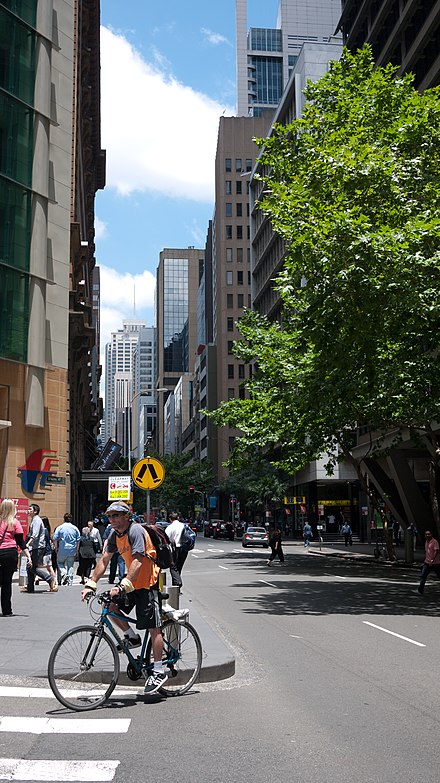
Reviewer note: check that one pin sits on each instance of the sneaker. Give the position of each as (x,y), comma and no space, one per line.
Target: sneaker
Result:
(135,641)
(154,682)
(65,580)
(268,562)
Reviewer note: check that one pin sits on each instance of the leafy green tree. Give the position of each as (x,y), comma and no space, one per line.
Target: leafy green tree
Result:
(353,188)
(258,486)
(173,494)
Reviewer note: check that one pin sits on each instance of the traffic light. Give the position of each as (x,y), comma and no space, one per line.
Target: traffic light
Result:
(191,489)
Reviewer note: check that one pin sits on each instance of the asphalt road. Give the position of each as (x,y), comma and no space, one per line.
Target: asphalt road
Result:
(337,680)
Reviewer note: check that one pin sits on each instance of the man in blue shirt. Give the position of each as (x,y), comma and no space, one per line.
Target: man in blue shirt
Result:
(66,539)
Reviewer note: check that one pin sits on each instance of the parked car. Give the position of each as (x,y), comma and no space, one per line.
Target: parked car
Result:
(255,536)
(217,528)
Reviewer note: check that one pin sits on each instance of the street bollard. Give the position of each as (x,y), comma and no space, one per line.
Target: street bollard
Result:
(173,592)
(409,547)
(22,572)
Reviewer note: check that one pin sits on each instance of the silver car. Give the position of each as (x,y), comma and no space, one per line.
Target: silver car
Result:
(255,536)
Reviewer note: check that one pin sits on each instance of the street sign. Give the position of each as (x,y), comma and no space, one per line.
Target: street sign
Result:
(148,473)
(119,487)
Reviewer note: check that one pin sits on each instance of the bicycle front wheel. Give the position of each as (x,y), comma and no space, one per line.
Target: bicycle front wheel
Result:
(83,668)
(182,657)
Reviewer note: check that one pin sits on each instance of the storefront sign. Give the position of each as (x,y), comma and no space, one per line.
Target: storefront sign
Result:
(21,505)
(35,472)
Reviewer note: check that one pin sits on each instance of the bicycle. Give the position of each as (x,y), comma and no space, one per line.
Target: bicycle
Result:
(84,667)
(380,549)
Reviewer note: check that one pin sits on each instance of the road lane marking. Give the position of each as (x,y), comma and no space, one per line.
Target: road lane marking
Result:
(46,693)
(196,556)
(224,568)
(216,550)
(63,726)
(199,551)
(48,769)
(295,637)
(399,636)
(335,576)
(267,583)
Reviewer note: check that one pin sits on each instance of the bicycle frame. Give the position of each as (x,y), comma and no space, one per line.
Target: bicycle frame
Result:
(139,663)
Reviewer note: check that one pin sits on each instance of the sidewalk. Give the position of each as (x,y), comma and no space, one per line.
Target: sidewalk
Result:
(357,551)
(27,638)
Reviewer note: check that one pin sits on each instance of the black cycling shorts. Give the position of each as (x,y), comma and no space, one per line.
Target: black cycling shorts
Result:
(148,605)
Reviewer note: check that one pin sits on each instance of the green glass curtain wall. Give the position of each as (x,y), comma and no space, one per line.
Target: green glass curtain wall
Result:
(25,9)
(14,314)
(15,225)
(17,57)
(16,139)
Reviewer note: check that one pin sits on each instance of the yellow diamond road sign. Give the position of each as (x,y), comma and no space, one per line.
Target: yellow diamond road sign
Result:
(148,473)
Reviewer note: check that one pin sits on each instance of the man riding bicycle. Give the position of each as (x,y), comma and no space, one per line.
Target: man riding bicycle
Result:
(139,588)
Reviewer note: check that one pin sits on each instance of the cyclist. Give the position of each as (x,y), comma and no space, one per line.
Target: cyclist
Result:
(138,589)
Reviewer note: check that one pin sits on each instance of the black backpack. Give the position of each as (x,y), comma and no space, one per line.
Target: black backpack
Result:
(162,545)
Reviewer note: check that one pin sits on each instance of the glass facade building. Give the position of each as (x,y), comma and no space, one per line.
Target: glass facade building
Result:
(175,315)
(17,81)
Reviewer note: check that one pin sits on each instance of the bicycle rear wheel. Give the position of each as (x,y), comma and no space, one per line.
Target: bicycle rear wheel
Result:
(182,657)
(83,668)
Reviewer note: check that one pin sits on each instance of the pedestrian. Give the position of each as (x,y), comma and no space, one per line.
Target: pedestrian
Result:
(47,557)
(36,544)
(432,560)
(346,531)
(96,536)
(275,543)
(117,562)
(307,534)
(11,537)
(66,538)
(86,554)
(174,533)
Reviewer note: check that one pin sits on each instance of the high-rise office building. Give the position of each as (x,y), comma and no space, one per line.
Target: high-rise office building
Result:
(51,165)
(119,382)
(404,34)
(266,56)
(177,281)
(143,404)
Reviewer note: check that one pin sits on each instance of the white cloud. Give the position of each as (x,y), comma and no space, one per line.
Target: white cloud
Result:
(160,135)
(214,38)
(124,296)
(100,228)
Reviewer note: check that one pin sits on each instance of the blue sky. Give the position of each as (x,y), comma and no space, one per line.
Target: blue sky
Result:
(167,75)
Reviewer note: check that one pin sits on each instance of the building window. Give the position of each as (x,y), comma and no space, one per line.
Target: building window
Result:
(249,277)
(238,185)
(229,280)
(228,232)
(239,209)
(231,394)
(249,301)
(240,255)
(248,255)
(228,187)
(239,278)
(238,164)
(229,255)
(230,347)
(248,164)
(239,232)
(228,164)
(229,301)
(248,232)
(241,392)
(240,300)
(230,322)
(228,209)
(241,371)
(230,370)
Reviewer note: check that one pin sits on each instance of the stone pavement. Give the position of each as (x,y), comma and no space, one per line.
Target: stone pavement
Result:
(357,551)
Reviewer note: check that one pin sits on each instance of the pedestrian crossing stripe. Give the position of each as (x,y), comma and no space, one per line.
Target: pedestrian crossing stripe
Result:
(49,770)
(46,693)
(64,725)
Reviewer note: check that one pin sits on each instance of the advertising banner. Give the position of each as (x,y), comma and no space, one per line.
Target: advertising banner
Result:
(119,488)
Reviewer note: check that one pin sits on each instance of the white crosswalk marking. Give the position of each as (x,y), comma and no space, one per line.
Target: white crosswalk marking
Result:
(66,771)
(46,693)
(63,726)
